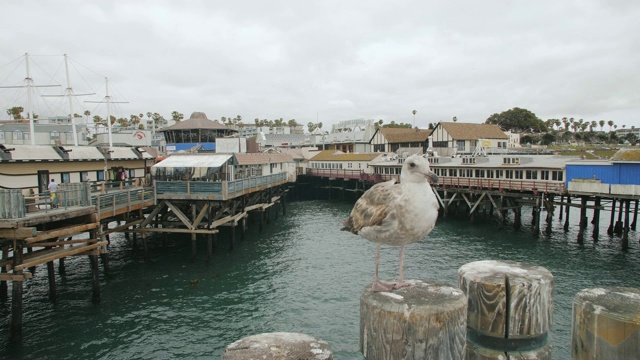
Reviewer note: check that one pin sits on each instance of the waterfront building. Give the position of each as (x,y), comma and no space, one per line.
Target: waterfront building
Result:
(453,138)
(197,131)
(30,167)
(253,130)
(392,139)
(125,137)
(300,156)
(284,140)
(332,159)
(222,167)
(619,175)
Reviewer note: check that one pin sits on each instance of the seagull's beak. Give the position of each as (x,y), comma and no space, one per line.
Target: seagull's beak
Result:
(432,176)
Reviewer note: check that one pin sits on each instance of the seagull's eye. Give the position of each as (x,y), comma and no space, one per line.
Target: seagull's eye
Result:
(412,164)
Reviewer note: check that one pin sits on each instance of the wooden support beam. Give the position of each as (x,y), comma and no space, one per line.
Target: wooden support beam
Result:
(185,220)
(61,232)
(201,215)
(15,277)
(182,231)
(56,254)
(18,233)
(61,243)
(121,227)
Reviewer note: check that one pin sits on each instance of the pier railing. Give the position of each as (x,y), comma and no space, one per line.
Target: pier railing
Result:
(338,173)
(111,203)
(218,190)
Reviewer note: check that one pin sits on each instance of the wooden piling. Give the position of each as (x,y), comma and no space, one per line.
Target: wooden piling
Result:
(583,218)
(426,320)
(567,210)
(613,216)
(278,346)
(51,274)
(625,230)
(596,219)
(606,324)
(635,217)
(618,228)
(15,325)
(510,309)
(561,204)
(95,278)
(4,289)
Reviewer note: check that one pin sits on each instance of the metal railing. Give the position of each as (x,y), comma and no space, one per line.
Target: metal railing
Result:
(113,201)
(221,188)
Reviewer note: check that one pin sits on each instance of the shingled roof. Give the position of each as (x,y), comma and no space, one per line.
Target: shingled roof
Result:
(198,120)
(626,155)
(466,131)
(404,135)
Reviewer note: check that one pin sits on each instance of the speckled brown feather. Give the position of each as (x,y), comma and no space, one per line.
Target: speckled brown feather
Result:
(371,209)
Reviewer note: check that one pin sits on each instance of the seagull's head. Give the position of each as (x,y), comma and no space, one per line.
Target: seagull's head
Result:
(416,168)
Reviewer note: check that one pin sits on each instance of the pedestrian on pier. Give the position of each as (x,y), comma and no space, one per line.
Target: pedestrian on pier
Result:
(53,188)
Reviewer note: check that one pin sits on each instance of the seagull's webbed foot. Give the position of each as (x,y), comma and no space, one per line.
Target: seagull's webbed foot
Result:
(399,284)
(382,286)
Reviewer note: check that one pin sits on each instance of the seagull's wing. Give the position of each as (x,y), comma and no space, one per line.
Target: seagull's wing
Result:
(372,207)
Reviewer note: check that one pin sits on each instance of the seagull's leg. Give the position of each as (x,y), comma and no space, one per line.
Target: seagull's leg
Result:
(400,283)
(378,285)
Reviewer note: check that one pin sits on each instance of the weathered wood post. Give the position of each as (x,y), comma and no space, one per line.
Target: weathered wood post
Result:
(583,218)
(613,216)
(95,278)
(4,289)
(510,309)
(635,217)
(596,219)
(567,211)
(51,274)
(15,325)
(625,228)
(617,229)
(426,320)
(606,324)
(281,346)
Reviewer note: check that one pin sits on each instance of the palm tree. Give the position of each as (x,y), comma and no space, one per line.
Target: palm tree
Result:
(610,123)
(593,124)
(601,123)
(557,122)
(566,123)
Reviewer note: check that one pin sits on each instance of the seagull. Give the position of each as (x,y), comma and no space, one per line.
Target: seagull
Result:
(396,214)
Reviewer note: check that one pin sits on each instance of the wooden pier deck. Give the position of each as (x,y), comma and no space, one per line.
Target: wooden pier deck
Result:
(40,233)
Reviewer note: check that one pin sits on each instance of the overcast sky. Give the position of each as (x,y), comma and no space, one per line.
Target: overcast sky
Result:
(330,60)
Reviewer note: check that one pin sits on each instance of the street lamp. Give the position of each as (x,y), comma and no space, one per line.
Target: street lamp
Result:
(414,118)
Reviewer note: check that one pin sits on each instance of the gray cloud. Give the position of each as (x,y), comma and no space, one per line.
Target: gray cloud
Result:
(336,60)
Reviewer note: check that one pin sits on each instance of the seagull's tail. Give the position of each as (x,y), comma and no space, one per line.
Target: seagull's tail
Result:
(348,225)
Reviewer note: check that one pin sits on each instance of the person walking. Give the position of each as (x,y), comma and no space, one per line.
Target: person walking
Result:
(53,189)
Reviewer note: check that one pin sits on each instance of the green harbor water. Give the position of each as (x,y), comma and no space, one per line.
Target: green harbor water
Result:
(300,274)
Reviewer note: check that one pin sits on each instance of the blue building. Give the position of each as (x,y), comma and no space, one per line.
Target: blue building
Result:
(619,175)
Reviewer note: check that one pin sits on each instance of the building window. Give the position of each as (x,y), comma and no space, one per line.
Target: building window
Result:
(544,175)
(509,174)
(17,135)
(132,173)
(66,178)
(453,172)
(531,174)
(518,174)
(460,145)
(84,176)
(557,175)
(479,173)
(440,144)
(499,174)
(54,135)
(100,175)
